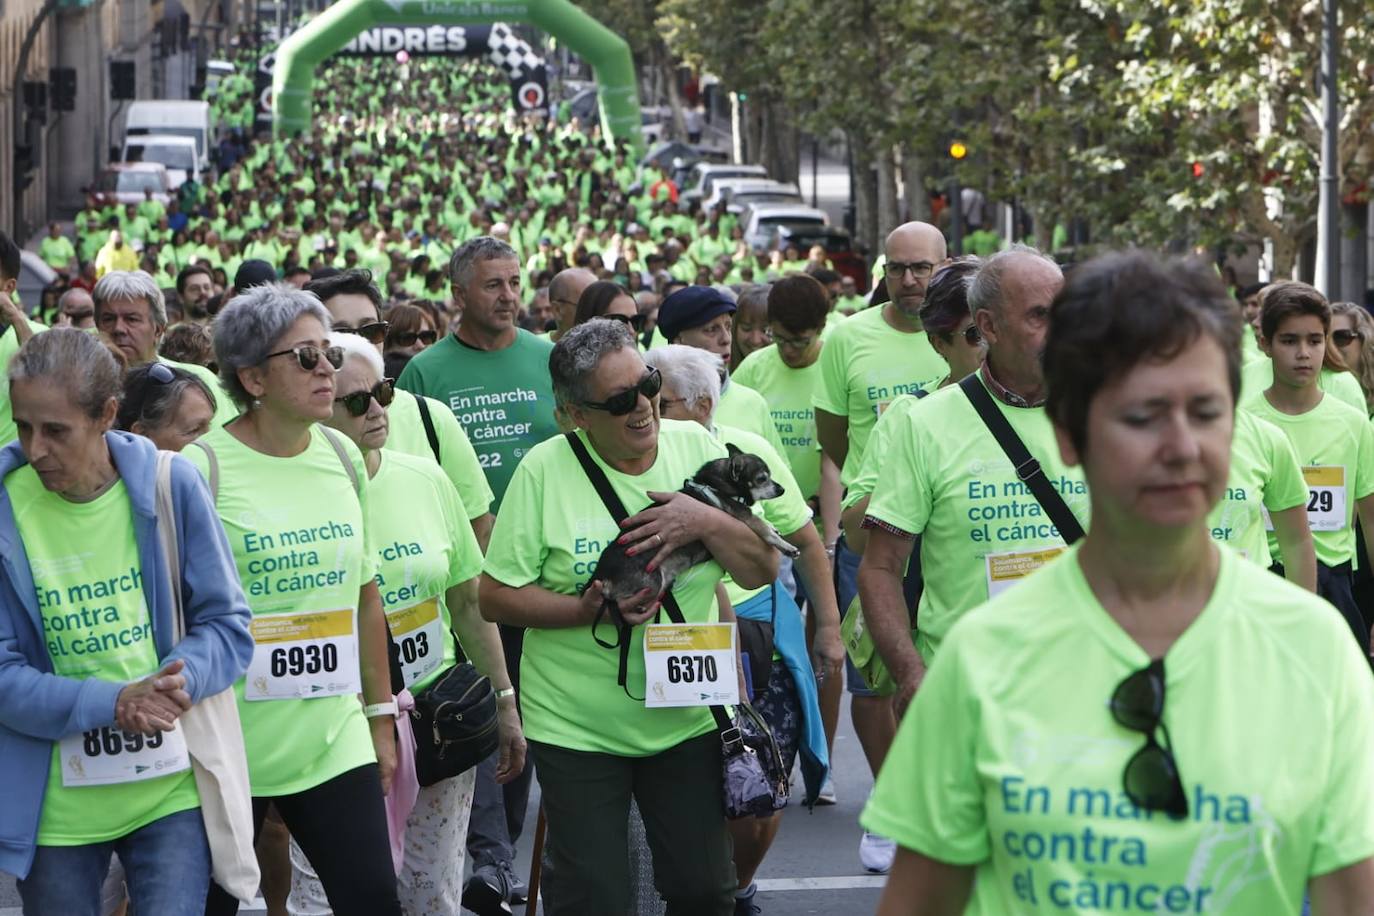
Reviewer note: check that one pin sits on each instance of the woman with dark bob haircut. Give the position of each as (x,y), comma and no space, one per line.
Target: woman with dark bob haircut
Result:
(1089,737)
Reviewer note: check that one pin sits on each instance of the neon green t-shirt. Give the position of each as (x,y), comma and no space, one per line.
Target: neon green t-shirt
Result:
(744,408)
(864,365)
(946,478)
(96,624)
(1250,350)
(550,532)
(9,345)
(1264,472)
(456,454)
(57,253)
(503,398)
(301,547)
(425,546)
(878,445)
(788,513)
(225,408)
(788,393)
(1009,759)
(1335,444)
(1258,376)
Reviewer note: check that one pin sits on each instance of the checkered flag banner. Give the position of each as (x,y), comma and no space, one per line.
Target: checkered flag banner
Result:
(511,52)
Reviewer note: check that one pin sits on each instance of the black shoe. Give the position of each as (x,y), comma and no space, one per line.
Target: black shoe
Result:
(745,906)
(486,893)
(516,890)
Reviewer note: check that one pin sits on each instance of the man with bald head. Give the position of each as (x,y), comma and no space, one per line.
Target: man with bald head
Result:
(868,360)
(564,290)
(76,309)
(946,479)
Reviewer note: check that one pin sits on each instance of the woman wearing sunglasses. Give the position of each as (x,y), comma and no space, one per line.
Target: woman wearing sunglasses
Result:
(409,330)
(605,299)
(594,740)
(427,567)
(1148,723)
(1352,333)
(293,498)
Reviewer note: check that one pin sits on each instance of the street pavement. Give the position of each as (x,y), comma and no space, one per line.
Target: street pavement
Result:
(812,869)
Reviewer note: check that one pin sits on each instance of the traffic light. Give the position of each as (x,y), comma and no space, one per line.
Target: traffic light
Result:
(957,150)
(23,166)
(36,100)
(122,83)
(63,81)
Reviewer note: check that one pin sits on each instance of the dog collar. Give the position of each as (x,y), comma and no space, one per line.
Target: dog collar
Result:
(704,494)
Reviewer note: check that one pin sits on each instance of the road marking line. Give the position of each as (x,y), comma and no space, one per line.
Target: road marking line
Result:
(837,883)
(257,906)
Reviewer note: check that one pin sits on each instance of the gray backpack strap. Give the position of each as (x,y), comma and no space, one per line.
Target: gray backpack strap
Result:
(335,441)
(213,467)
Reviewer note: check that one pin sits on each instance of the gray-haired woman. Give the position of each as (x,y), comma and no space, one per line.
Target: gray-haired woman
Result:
(92,684)
(292,497)
(168,405)
(594,740)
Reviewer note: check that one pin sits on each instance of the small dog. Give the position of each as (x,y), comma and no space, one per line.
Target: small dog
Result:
(730,484)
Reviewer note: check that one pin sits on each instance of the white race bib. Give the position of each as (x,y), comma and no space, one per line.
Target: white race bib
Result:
(1006,569)
(418,632)
(303,656)
(690,664)
(108,756)
(1325,497)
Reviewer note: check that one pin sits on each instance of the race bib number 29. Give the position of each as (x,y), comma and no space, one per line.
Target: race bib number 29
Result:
(1325,497)
(690,664)
(303,656)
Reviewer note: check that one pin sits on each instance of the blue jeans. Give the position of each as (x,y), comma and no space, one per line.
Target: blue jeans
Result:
(846,588)
(166,865)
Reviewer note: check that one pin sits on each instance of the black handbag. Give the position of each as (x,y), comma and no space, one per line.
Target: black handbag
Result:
(454,720)
(754,784)
(756,647)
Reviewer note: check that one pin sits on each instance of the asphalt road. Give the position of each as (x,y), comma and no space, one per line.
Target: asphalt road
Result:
(812,869)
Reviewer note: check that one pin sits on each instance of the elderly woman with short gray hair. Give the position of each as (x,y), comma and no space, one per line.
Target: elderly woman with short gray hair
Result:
(93,681)
(594,740)
(292,496)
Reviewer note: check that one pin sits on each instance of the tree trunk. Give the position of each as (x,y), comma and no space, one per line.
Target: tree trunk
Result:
(667,68)
(887,191)
(914,178)
(753,135)
(865,196)
(779,141)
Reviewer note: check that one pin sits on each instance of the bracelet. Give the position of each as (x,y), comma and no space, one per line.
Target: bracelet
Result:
(377,710)
(505,692)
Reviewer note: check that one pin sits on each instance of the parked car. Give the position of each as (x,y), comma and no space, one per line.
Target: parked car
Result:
(759,220)
(123,183)
(34,277)
(702,176)
(178,154)
(836,242)
(745,192)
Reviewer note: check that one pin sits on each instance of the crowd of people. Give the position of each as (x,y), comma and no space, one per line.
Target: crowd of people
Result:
(364,416)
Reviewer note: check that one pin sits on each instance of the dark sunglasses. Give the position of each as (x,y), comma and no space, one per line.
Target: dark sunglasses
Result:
(634,321)
(1345,338)
(358,402)
(309,356)
(373,333)
(618,405)
(1151,778)
(408,338)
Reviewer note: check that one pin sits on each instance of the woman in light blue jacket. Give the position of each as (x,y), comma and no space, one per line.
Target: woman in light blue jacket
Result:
(91,685)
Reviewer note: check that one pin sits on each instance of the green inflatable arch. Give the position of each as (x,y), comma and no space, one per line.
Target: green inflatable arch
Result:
(607,52)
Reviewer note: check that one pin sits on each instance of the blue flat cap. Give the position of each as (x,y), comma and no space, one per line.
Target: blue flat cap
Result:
(691,307)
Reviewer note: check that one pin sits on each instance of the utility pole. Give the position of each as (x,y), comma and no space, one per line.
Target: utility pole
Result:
(1328,273)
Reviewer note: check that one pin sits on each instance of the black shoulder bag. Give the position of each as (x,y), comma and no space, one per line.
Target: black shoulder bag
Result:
(755,784)
(1028,470)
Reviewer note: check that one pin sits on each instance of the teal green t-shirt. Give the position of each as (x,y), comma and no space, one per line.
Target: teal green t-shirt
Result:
(946,478)
(502,398)
(864,365)
(788,393)
(425,546)
(550,532)
(1335,444)
(96,625)
(1265,474)
(1010,761)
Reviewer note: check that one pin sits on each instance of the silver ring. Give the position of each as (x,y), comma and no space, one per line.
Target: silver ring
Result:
(658,540)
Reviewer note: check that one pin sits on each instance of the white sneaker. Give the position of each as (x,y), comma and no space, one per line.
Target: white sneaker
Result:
(876,853)
(827,793)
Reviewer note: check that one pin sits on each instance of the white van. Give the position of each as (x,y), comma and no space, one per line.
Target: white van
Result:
(173,116)
(179,154)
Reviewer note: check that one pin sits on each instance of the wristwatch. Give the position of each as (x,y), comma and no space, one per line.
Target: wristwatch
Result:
(377,710)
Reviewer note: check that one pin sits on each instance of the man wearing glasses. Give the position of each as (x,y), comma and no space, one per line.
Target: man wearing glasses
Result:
(869,360)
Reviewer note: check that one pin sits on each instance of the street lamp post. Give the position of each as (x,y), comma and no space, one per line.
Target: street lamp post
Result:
(1329,206)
